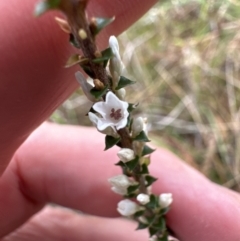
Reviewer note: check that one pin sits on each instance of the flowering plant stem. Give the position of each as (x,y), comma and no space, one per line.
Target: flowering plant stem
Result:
(114,116)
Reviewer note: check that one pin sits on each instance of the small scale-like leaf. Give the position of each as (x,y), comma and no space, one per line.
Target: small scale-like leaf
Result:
(99,93)
(120,163)
(141,137)
(132,189)
(163,211)
(141,226)
(164,237)
(74,59)
(139,213)
(153,203)
(101,23)
(44,6)
(152,231)
(131,107)
(147,150)
(144,169)
(160,224)
(73,41)
(150,180)
(106,55)
(123,81)
(110,142)
(132,164)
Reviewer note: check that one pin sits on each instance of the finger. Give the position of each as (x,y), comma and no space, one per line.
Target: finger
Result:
(55,223)
(58,164)
(33,51)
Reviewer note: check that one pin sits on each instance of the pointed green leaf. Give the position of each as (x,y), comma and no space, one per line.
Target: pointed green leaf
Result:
(163,211)
(141,226)
(139,213)
(152,231)
(123,81)
(150,180)
(110,142)
(153,204)
(132,189)
(106,55)
(141,137)
(160,224)
(120,163)
(164,237)
(99,93)
(101,23)
(147,150)
(144,169)
(44,6)
(74,41)
(132,164)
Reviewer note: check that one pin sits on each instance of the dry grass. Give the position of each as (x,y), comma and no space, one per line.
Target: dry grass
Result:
(185,56)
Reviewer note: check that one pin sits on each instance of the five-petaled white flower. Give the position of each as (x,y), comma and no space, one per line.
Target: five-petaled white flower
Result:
(127,207)
(113,111)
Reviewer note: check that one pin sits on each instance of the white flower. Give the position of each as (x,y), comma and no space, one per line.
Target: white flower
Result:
(108,131)
(126,154)
(113,111)
(143,198)
(165,200)
(127,207)
(120,184)
(137,126)
(86,87)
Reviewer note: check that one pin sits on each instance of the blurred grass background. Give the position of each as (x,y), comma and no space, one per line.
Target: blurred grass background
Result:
(185,57)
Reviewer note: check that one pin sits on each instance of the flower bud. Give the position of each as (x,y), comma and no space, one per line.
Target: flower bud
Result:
(120,184)
(127,207)
(165,200)
(121,94)
(143,198)
(137,126)
(126,155)
(86,87)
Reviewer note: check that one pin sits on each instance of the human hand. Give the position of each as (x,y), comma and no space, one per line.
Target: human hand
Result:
(55,161)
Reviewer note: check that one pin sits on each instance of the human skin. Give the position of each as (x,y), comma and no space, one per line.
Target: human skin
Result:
(57,164)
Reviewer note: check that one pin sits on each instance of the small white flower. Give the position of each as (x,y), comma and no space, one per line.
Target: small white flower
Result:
(120,184)
(137,126)
(113,111)
(165,200)
(143,198)
(126,154)
(127,207)
(86,87)
(108,131)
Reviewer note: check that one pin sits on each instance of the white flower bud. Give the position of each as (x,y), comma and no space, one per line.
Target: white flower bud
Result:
(143,198)
(126,155)
(121,94)
(165,200)
(120,184)
(127,207)
(86,87)
(137,126)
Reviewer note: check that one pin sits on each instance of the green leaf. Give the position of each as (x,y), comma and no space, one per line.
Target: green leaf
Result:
(139,213)
(132,189)
(98,93)
(132,164)
(74,59)
(152,231)
(141,226)
(106,55)
(110,142)
(123,81)
(164,237)
(44,6)
(144,169)
(160,224)
(141,137)
(101,23)
(120,163)
(147,150)
(131,107)
(163,211)
(150,180)
(74,41)
(153,203)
